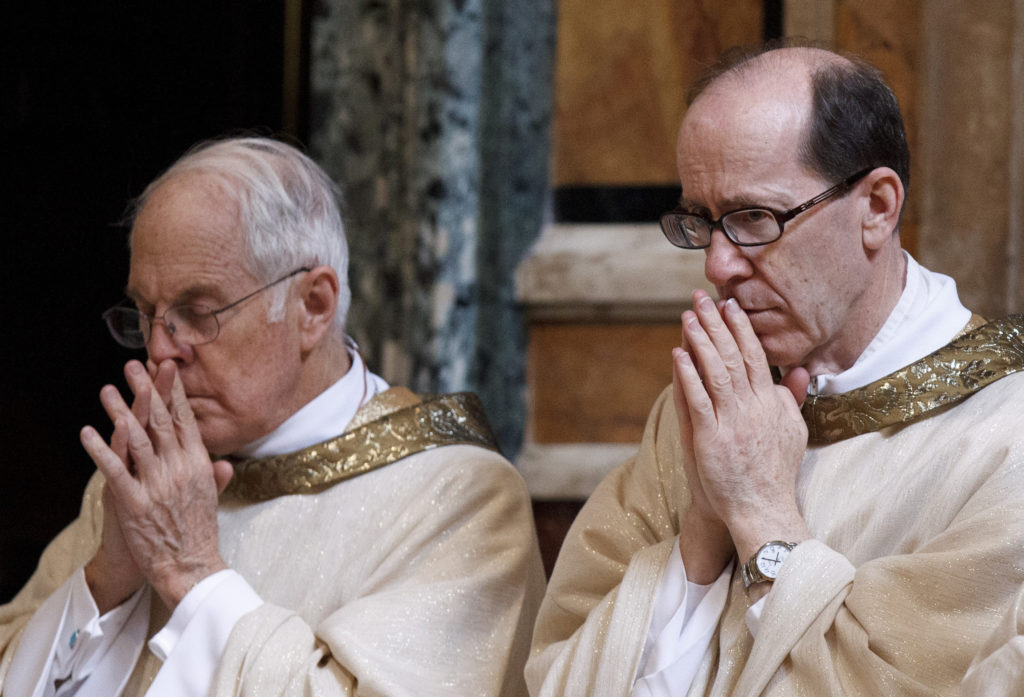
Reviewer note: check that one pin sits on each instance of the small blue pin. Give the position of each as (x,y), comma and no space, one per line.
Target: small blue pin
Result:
(73,640)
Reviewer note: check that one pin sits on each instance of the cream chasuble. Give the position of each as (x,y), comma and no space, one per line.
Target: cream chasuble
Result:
(396,559)
(999,667)
(913,488)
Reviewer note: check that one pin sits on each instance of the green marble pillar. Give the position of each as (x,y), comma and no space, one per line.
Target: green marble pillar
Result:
(434,118)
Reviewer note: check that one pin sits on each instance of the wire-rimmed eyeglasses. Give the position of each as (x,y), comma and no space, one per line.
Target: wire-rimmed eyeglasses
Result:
(191,324)
(746,227)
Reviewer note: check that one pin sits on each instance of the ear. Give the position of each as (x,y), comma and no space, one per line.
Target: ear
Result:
(319,298)
(885,196)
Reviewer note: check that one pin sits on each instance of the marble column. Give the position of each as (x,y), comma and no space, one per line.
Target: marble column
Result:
(434,118)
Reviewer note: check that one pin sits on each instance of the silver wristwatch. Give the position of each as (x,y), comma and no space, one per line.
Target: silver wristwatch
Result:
(765,564)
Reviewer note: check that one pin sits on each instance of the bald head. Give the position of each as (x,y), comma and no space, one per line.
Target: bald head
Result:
(850,118)
(759,65)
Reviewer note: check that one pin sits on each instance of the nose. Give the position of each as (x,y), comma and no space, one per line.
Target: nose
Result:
(162,345)
(725,261)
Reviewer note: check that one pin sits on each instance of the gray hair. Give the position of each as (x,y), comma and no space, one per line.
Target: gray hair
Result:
(288,208)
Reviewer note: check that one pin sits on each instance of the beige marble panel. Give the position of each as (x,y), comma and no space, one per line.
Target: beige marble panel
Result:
(888,35)
(559,471)
(596,382)
(608,272)
(621,73)
(971,154)
(810,19)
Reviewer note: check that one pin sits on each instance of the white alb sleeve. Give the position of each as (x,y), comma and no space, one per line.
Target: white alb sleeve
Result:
(684,620)
(753,616)
(68,643)
(193,640)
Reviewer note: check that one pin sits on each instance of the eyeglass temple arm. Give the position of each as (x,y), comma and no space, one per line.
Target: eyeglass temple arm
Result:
(792,213)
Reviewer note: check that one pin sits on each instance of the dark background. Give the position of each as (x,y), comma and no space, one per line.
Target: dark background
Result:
(97,98)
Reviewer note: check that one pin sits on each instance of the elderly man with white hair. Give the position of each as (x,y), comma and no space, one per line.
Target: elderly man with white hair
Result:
(269,517)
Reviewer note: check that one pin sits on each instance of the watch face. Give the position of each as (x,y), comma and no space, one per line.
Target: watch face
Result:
(770,558)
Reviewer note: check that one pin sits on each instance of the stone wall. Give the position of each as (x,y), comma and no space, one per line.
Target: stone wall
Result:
(434,118)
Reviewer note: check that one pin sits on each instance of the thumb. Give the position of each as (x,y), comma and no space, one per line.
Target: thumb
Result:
(222,473)
(796,381)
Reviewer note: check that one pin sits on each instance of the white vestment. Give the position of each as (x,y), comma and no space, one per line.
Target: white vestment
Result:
(918,532)
(419,577)
(998,669)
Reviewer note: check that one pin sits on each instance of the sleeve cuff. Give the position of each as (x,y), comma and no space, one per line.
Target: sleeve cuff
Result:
(753,615)
(192,641)
(684,620)
(67,637)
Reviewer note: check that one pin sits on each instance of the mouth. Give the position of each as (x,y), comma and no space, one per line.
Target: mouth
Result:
(746,306)
(762,319)
(757,305)
(197,403)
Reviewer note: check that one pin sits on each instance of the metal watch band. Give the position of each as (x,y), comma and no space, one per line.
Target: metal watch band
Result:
(749,571)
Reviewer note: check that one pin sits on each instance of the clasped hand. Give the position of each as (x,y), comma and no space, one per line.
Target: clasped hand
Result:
(160,497)
(743,437)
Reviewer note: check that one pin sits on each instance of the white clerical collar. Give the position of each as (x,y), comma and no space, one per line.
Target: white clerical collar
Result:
(323,417)
(926,318)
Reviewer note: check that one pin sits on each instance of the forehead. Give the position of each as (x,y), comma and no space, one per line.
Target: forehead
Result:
(741,139)
(187,237)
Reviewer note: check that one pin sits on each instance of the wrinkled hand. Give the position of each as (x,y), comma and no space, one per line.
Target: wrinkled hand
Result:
(746,433)
(112,574)
(162,485)
(699,503)
(704,541)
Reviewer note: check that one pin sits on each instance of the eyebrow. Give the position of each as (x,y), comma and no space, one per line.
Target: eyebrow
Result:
(691,206)
(728,206)
(186,297)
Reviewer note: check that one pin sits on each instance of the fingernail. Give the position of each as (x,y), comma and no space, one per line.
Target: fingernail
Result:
(706,303)
(732,306)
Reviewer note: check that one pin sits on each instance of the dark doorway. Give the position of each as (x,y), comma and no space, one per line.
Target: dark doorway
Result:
(98,97)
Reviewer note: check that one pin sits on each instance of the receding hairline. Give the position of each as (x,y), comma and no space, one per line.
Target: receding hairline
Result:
(215,184)
(780,65)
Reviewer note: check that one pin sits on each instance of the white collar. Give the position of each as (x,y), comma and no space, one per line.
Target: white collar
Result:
(926,318)
(325,416)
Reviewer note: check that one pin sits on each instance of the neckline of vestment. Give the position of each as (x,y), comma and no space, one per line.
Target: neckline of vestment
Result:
(393,425)
(983,353)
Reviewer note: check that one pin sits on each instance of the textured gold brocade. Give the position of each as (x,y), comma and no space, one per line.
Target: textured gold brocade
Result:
(391,426)
(948,376)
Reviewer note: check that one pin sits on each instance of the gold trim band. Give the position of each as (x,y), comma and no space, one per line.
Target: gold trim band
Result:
(432,423)
(946,377)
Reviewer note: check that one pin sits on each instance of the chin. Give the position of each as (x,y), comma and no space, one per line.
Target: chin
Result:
(781,353)
(217,444)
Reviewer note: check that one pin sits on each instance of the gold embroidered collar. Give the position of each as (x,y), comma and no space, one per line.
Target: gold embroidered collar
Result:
(976,358)
(391,426)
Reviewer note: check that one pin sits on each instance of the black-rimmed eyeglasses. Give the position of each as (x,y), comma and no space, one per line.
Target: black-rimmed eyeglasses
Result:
(746,227)
(192,324)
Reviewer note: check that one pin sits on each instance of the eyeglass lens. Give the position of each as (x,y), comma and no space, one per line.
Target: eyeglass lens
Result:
(749,226)
(188,324)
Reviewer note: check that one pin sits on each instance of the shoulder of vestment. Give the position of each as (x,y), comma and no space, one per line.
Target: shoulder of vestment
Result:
(393,425)
(975,359)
